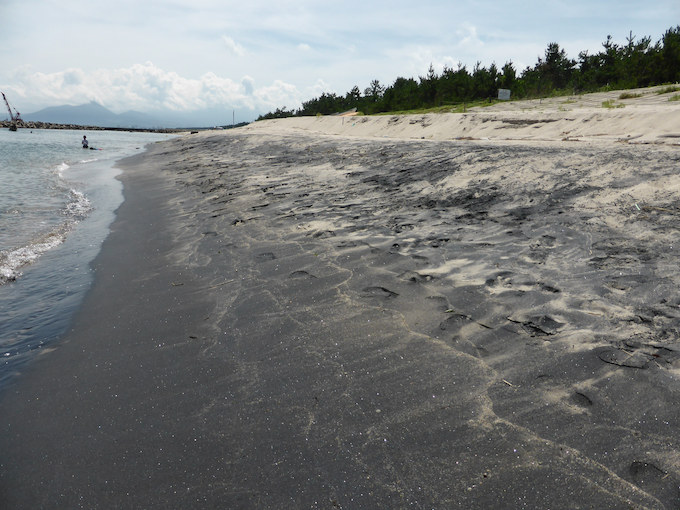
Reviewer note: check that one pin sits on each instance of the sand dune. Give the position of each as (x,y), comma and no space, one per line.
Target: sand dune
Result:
(649,119)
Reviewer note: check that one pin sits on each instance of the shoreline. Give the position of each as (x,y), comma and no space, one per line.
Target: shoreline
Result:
(46,275)
(282,319)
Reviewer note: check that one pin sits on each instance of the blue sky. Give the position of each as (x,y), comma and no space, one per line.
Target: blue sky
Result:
(257,55)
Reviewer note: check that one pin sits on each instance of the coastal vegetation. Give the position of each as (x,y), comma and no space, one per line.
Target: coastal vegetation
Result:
(636,63)
(629,95)
(610,103)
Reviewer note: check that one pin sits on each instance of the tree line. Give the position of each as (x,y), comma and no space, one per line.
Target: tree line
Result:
(637,63)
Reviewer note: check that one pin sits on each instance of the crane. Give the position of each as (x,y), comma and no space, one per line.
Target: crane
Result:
(14,119)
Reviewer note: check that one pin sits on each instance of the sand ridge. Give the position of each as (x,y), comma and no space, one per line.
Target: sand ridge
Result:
(650,118)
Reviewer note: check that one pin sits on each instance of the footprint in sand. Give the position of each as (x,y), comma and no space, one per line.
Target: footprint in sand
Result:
(645,473)
(415,277)
(622,358)
(540,325)
(454,321)
(654,480)
(378,292)
(581,399)
(301,274)
(324,234)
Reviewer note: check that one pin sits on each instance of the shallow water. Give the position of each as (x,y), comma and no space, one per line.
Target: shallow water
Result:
(56,204)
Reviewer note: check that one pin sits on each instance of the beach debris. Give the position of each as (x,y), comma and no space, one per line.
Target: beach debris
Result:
(221,284)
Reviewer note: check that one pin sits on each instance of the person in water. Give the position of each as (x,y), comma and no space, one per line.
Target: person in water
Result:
(85,142)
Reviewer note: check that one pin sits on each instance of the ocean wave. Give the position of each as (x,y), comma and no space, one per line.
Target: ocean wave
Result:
(12,260)
(79,206)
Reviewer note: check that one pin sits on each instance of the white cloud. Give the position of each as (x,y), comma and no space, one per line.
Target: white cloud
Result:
(233,47)
(148,88)
(319,88)
(468,36)
(304,47)
(277,94)
(248,85)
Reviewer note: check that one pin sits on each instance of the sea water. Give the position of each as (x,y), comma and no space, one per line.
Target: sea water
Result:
(57,201)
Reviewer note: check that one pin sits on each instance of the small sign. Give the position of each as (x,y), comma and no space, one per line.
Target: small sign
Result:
(504,94)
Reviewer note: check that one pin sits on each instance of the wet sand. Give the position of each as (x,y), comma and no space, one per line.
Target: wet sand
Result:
(289,319)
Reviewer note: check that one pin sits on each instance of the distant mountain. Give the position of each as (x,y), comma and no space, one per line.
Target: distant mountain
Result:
(93,114)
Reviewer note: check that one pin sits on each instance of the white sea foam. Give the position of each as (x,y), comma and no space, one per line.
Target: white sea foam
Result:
(11,261)
(45,189)
(79,205)
(61,168)
(46,185)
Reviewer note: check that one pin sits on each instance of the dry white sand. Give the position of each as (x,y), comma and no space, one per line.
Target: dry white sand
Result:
(649,119)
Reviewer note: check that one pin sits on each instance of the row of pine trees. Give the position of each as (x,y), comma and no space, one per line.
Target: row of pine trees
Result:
(637,63)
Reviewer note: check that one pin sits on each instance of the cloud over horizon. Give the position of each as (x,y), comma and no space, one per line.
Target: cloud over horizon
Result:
(188,55)
(146,87)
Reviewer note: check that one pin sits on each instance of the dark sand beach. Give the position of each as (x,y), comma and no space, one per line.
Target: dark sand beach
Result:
(298,320)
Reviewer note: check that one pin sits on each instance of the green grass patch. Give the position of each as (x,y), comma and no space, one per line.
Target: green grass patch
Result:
(449,108)
(668,90)
(611,103)
(629,95)
(676,97)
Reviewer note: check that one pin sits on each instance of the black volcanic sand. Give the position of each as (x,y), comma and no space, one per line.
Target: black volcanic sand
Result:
(322,322)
